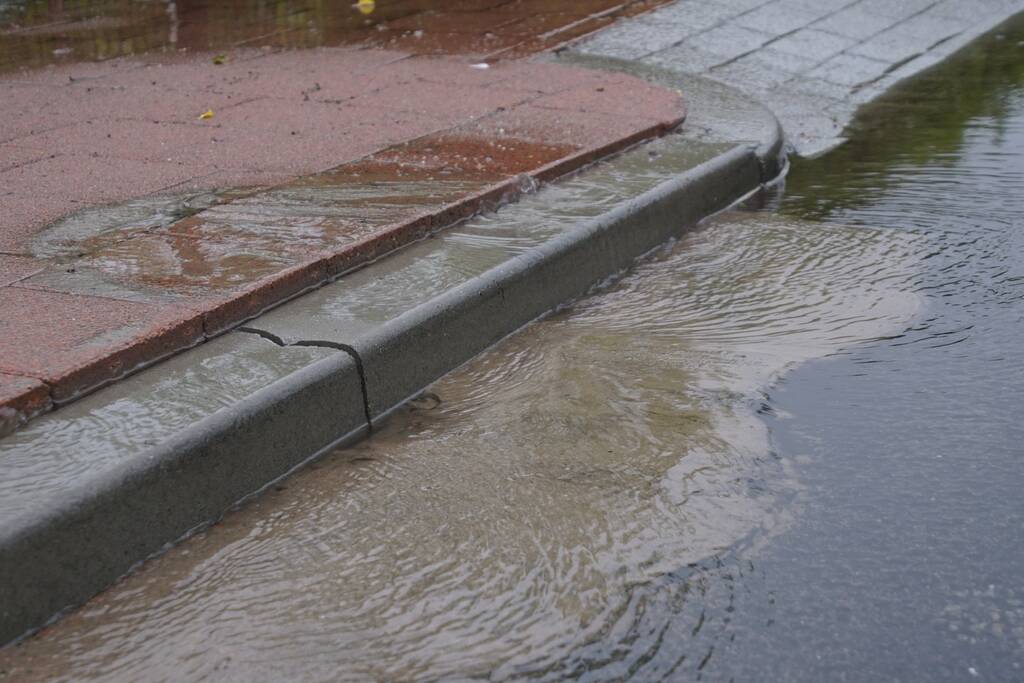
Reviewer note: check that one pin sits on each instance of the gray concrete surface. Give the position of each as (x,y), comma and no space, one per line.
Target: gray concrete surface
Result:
(812,62)
(90,490)
(150,467)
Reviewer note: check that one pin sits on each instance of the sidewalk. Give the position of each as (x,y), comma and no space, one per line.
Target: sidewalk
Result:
(812,62)
(125,236)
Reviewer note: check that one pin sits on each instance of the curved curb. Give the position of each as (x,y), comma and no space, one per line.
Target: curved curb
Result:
(55,557)
(473,316)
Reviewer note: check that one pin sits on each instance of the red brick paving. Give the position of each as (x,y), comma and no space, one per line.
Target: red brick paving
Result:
(16,155)
(74,343)
(14,268)
(350,152)
(21,398)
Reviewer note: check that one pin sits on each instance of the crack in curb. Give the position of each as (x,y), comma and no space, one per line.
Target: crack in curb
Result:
(337,346)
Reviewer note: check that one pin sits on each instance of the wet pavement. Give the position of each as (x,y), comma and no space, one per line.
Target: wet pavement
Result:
(521,516)
(786,447)
(661,481)
(49,459)
(175,188)
(813,63)
(34,33)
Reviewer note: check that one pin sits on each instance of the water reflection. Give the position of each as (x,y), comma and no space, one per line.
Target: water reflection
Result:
(36,32)
(522,518)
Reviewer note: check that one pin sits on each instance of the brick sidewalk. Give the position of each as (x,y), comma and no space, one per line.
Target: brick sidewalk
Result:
(124,236)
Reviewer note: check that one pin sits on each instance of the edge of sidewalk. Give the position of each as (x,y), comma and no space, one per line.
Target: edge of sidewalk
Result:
(56,558)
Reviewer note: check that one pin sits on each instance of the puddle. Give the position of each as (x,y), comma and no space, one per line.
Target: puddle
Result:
(199,245)
(516,521)
(35,33)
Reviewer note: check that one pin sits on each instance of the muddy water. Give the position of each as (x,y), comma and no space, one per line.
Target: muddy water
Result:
(521,516)
(786,448)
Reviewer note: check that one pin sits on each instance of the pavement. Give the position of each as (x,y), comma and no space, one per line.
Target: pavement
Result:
(812,62)
(150,202)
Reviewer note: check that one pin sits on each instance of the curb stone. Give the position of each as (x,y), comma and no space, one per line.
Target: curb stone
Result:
(60,556)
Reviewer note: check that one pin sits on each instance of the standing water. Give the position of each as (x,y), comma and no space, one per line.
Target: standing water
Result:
(788,447)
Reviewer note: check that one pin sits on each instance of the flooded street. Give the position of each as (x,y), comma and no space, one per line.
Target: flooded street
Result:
(906,561)
(786,447)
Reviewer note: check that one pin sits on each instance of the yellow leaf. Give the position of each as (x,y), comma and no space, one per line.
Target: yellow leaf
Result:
(219,59)
(208,114)
(365,6)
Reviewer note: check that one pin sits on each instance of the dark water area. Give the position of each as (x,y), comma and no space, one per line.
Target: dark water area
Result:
(36,33)
(906,561)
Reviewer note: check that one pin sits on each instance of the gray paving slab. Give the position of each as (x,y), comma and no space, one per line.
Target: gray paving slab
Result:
(632,40)
(825,6)
(729,41)
(854,22)
(752,73)
(908,39)
(784,65)
(813,44)
(687,58)
(778,18)
(850,70)
(693,16)
(895,9)
(830,56)
(743,5)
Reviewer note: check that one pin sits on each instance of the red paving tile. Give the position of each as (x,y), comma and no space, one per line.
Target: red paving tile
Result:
(253,299)
(455,103)
(30,109)
(21,398)
(476,156)
(14,268)
(139,140)
(223,180)
(75,342)
(445,71)
(22,216)
(79,72)
(552,78)
(12,155)
(622,100)
(93,179)
(566,127)
(399,143)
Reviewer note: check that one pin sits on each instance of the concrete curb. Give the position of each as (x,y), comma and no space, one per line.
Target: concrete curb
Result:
(471,317)
(51,559)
